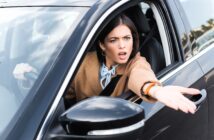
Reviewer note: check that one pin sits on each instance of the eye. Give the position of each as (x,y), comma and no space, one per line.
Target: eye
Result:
(112,40)
(127,38)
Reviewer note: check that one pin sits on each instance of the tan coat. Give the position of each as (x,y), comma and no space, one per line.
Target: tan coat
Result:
(86,82)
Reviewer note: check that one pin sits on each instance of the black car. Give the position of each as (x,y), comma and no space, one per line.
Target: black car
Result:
(53,36)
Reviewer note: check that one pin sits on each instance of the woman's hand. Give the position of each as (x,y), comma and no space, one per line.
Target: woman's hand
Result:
(21,69)
(172,96)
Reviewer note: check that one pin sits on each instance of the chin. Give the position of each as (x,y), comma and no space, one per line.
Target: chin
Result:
(122,61)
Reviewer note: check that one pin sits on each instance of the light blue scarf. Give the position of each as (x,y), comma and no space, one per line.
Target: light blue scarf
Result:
(105,75)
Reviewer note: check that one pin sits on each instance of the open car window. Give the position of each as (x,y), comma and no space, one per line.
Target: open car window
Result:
(153,43)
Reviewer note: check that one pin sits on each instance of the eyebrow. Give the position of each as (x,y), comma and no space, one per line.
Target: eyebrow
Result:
(129,35)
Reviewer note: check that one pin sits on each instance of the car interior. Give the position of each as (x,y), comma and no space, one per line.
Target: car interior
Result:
(150,47)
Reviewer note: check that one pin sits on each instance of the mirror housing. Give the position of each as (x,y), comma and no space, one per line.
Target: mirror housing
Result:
(104,116)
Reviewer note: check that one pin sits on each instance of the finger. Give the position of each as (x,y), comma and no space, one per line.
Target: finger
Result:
(186,108)
(182,105)
(191,105)
(185,104)
(188,101)
(191,91)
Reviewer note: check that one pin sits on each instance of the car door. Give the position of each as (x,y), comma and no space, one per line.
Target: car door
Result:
(202,29)
(186,69)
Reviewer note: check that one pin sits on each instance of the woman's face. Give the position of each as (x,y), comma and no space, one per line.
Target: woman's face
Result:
(117,45)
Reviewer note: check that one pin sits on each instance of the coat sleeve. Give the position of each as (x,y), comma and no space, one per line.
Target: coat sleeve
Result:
(139,72)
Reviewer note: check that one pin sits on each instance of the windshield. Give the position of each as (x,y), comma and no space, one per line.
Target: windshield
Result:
(29,36)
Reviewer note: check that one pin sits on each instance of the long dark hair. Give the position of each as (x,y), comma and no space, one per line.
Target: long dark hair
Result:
(120,19)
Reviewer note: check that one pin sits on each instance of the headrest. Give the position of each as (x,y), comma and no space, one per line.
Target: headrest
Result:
(149,13)
(136,14)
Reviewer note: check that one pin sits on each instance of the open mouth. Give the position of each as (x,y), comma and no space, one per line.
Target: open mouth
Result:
(122,55)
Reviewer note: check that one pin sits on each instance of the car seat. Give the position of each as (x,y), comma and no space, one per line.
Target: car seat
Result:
(150,47)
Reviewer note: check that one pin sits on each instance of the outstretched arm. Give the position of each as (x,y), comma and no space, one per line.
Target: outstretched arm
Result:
(171,96)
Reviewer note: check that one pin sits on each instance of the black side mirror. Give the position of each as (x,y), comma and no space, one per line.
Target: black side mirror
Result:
(104,118)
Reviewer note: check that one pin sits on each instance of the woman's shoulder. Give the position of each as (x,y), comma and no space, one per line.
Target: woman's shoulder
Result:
(138,60)
(92,54)
(138,63)
(90,60)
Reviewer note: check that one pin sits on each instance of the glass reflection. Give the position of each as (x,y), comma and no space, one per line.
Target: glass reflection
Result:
(201,18)
(29,38)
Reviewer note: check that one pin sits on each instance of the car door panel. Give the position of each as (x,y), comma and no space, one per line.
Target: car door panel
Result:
(210,90)
(208,69)
(208,54)
(185,75)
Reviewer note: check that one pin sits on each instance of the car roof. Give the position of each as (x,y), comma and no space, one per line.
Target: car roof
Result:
(5,3)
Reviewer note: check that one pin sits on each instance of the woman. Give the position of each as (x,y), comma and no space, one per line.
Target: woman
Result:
(117,55)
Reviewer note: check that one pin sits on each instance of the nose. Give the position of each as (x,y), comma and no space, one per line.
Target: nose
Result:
(122,44)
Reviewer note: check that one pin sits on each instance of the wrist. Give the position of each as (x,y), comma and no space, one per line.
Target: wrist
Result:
(153,91)
(149,88)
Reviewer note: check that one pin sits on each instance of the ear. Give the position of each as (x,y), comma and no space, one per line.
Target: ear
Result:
(101,46)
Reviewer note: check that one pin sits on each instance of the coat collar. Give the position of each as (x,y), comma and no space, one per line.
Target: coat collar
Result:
(121,69)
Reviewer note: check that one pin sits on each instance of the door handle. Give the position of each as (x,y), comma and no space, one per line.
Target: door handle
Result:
(199,98)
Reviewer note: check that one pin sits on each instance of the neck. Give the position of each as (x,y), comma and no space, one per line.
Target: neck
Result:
(109,65)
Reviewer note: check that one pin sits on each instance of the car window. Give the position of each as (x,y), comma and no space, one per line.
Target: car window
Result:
(201,19)
(160,40)
(154,41)
(29,37)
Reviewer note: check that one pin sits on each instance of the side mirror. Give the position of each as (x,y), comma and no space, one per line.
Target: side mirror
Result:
(104,118)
